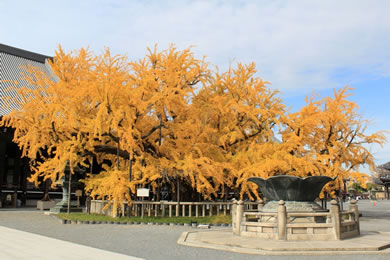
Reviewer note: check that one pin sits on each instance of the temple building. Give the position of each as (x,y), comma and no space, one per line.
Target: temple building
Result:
(381,177)
(15,190)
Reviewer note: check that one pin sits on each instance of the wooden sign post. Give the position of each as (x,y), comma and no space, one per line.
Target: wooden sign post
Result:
(142,192)
(79,193)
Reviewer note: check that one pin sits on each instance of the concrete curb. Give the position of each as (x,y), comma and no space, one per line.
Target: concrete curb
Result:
(366,245)
(64,221)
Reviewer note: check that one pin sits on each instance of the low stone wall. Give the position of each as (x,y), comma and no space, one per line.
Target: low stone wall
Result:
(98,207)
(43,205)
(168,208)
(282,225)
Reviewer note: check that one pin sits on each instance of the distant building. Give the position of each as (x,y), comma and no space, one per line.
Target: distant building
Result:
(381,177)
(14,170)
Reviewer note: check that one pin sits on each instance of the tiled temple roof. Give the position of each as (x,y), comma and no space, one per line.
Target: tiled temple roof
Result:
(385,166)
(12,62)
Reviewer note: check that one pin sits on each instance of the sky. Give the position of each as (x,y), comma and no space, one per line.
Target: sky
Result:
(298,46)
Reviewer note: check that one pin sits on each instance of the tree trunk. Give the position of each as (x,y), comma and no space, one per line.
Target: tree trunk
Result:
(178,189)
(70,191)
(92,165)
(46,193)
(158,190)
(117,156)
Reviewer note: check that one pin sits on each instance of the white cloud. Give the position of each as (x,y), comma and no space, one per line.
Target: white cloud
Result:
(296,44)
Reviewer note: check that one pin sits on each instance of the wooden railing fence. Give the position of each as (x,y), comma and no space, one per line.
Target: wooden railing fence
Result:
(168,208)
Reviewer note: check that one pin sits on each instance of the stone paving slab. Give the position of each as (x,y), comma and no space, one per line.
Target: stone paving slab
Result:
(367,243)
(20,245)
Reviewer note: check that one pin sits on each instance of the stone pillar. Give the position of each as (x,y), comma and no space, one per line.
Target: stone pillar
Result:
(353,206)
(335,216)
(234,218)
(282,221)
(162,209)
(237,213)
(240,214)
(114,213)
(260,205)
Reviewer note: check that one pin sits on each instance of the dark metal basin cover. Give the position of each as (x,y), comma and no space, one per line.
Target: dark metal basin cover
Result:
(291,188)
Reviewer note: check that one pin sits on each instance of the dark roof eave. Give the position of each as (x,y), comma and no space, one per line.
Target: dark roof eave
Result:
(24,54)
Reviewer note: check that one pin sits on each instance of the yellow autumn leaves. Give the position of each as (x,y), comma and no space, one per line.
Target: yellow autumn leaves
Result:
(168,117)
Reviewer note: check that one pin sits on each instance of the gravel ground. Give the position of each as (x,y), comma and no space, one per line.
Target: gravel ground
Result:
(159,242)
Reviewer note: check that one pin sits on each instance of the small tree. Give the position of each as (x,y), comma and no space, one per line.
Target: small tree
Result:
(327,137)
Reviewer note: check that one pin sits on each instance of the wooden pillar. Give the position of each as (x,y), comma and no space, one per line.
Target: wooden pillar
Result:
(26,173)
(18,169)
(46,185)
(123,209)
(2,166)
(178,190)
(323,203)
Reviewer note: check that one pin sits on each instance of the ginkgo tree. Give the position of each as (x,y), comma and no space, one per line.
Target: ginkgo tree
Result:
(325,137)
(330,135)
(168,119)
(237,111)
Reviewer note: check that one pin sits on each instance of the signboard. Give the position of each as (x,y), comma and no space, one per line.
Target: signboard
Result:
(79,193)
(142,192)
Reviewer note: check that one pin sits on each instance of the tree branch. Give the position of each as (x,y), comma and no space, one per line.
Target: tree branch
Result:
(111,150)
(151,131)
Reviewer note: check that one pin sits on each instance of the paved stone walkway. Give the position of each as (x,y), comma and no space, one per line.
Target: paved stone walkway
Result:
(374,239)
(19,245)
(373,243)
